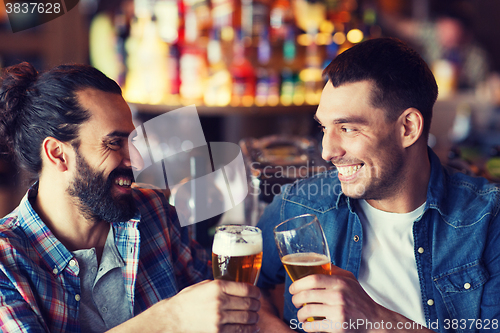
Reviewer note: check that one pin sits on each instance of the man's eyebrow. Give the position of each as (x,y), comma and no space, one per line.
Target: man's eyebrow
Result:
(351,120)
(347,120)
(115,134)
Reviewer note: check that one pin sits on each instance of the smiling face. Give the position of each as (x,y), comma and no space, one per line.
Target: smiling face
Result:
(358,139)
(103,172)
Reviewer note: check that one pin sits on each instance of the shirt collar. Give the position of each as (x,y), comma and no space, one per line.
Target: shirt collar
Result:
(435,188)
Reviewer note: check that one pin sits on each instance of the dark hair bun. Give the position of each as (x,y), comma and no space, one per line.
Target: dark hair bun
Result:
(15,83)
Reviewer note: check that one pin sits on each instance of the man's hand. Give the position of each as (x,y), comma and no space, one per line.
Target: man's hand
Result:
(214,306)
(341,300)
(208,306)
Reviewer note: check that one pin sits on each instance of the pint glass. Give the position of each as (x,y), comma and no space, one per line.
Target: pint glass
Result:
(237,253)
(302,246)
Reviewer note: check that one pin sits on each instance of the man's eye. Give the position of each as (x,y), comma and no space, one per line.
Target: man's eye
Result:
(323,128)
(114,144)
(347,129)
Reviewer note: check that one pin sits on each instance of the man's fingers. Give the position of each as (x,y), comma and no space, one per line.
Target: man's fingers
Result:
(324,296)
(311,282)
(320,281)
(240,329)
(239,317)
(318,311)
(240,303)
(239,289)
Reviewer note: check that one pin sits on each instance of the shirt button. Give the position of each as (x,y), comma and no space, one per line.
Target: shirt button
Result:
(356,238)
(55,271)
(72,262)
(430,302)
(94,269)
(104,309)
(467,285)
(420,250)
(77,297)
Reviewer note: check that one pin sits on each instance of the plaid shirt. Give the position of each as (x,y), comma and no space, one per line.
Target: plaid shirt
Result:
(39,283)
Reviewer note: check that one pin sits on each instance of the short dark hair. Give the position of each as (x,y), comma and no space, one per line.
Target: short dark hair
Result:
(401,77)
(35,106)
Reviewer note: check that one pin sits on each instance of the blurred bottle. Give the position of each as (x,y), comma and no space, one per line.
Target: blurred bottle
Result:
(289,45)
(102,45)
(243,75)
(173,74)
(311,75)
(219,83)
(260,17)
(287,86)
(263,77)
(226,16)
(192,62)
(309,14)
(146,80)
(281,19)
(122,28)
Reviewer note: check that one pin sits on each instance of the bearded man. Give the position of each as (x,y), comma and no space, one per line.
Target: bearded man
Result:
(84,252)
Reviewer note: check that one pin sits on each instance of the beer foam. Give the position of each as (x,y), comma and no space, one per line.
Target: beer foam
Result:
(227,246)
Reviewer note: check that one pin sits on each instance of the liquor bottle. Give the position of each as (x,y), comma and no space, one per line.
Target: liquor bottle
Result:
(263,78)
(311,76)
(102,45)
(193,74)
(226,16)
(260,17)
(280,19)
(289,46)
(173,74)
(122,27)
(243,75)
(192,63)
(146,80)
(287,87)
(219,83)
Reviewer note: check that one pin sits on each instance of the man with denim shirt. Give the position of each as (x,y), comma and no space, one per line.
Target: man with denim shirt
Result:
(416,247)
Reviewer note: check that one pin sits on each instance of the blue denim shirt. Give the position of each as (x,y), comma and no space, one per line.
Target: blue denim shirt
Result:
(459,232)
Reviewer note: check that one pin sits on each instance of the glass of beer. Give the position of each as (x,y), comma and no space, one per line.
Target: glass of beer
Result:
(237,253)
(303,248)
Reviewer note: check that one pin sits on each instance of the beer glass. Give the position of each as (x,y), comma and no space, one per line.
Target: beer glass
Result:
(303,248)
(237,253)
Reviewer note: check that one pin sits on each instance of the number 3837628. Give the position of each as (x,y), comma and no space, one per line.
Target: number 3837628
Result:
(33,8)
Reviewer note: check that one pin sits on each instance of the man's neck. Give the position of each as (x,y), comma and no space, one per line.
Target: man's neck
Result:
(60,212)
(412,190)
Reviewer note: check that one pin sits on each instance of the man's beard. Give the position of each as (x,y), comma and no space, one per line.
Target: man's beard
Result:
(93,192)
(381,181)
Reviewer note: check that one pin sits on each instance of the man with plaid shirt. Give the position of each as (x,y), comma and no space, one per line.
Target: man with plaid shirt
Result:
(84,251)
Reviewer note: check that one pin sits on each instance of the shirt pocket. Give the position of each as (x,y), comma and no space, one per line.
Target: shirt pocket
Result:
(461,289)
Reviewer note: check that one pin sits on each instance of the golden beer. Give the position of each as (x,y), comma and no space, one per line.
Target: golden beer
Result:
(299,265)
(237,268)
(237,253)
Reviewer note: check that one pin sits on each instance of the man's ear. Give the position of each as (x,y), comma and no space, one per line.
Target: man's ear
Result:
(412,126)
(55,153)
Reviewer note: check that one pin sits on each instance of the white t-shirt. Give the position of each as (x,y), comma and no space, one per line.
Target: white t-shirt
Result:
(388,270)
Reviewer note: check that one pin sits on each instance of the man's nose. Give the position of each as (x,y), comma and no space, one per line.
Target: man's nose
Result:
(332,146)
(132,158)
